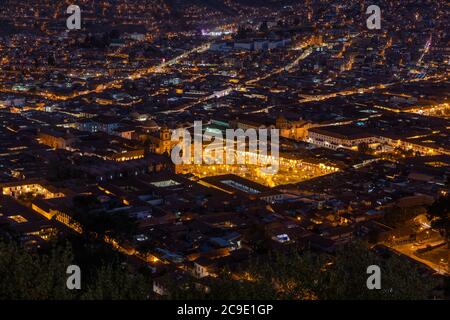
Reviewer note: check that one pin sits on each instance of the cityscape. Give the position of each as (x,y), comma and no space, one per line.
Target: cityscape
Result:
(224,150)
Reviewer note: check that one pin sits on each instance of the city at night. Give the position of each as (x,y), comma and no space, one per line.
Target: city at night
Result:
(186,152)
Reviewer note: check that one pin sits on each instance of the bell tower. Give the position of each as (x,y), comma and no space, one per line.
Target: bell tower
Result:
(164,135)
(164,140)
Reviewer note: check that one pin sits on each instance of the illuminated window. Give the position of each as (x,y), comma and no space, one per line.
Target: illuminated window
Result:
(45,234)
(18,219)
(241,187)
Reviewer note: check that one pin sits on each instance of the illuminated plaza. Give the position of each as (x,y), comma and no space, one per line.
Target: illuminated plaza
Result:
(290,171)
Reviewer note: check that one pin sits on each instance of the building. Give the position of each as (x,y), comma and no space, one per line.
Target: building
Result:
(335,137)
(161,143)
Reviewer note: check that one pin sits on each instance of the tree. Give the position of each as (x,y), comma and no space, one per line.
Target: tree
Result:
(257,238)
(115,224)
(346,277)
(51,60)
(27,275)
(397,216)
(85,203)
(114,34)
(363,147)
(242,33)
(30,276)
(222,288)
(94,218)
(311,276)
(114,283)
(264,27)
(91,254)
(439,215)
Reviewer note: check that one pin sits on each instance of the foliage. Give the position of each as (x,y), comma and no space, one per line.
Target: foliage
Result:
(439,215)
(94,218)
(346,277)
(311,276)
(363,147)
(257,238)
(30,275)
(113,283)
(27,275)
(397,216)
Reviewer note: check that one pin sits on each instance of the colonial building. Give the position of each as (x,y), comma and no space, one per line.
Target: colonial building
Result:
(296,129)
(161,143)
(330,138)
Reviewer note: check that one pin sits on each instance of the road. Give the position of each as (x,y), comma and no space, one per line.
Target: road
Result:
(364,89)
(410,249)
(115,83)
(237,87)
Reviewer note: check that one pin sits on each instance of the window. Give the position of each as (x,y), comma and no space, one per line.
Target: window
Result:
(18,219)
(241,187)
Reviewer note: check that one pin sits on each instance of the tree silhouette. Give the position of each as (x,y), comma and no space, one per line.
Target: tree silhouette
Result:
(439,215)
(363,147)
(28,275)
(264,27)
(311,276)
